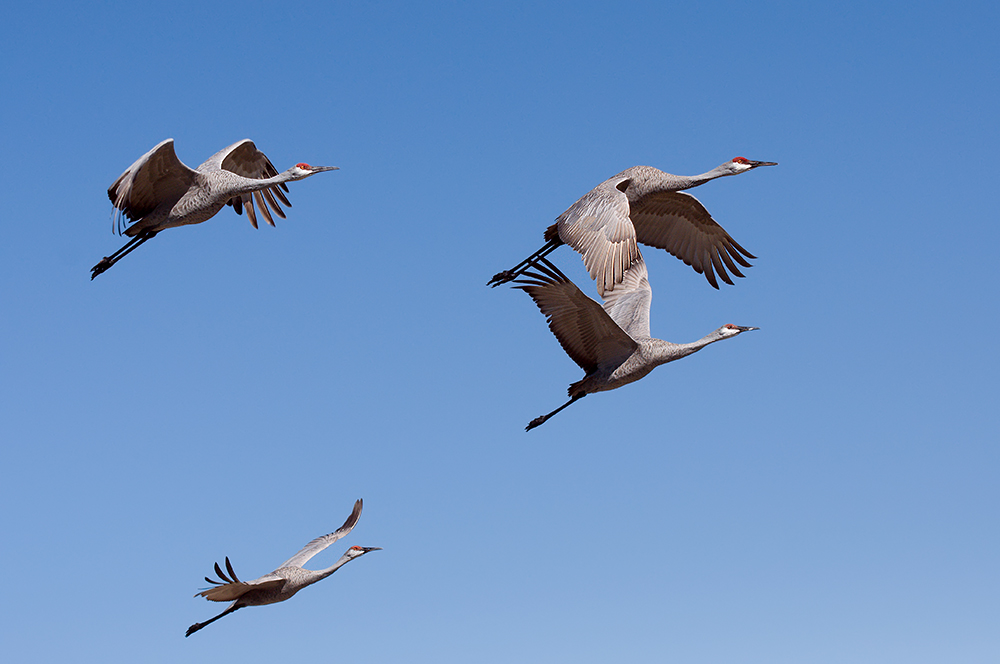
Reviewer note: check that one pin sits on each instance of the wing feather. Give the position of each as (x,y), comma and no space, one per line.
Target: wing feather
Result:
(585,331)
(244,159)
(230,587)
(679,223)
(598,227)
(320,543)
(235,590)
(628,304)
(156,178)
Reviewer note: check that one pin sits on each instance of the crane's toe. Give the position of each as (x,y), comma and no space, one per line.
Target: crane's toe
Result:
(103,265)
(538,421)
(501,278)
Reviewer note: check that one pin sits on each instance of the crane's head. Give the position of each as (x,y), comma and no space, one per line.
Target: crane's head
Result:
(302,170)
(358,551)
(730,330)
(742,165)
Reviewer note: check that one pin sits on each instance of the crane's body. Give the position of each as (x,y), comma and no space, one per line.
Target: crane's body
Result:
(158,191)
(282,583)
(644,205)
(612,344)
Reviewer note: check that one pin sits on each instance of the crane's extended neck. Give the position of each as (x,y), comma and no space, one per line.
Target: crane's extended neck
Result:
(667,351)
(351,554)
(323,573)
(246,185)
(689,181)
(646,179)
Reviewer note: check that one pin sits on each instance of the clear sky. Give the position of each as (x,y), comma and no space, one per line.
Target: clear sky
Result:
(823,490)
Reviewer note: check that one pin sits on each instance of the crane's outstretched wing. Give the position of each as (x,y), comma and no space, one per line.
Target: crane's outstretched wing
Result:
(679,223)
(598,227)
(628,304)
(156,177)
(244,159)
(585,331)
(320,543)
(229,589)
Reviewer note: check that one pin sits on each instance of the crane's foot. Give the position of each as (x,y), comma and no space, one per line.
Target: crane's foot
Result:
(542,419)
(501,278)
(538,421)
(100,267)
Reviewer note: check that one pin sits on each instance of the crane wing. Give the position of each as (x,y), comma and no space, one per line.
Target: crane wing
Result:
(244,159)
(320,543)
(598,227)
(231,591)
(679,223)
(230,587)
(157,177)
(585,331)
(628,304)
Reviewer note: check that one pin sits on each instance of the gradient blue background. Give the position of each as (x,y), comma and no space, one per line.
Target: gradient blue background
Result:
(823,490)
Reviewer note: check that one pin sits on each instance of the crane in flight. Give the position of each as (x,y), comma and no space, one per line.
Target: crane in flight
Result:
(283,582)
(612,343)
(644,205)
(158,191)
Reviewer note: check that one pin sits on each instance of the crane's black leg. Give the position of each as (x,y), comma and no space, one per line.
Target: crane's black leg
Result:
(108,261)
(195,627)
(538,421)
(517,270)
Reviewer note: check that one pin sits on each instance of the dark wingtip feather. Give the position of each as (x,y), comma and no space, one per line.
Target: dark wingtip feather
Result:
(231,572)
(710,275)
(352,520)
(719,267)
(218,570)
(743,251)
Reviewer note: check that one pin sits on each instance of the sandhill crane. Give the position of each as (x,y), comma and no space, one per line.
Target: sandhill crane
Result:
(612,344)
(158,191)
(283,582)
(644,204)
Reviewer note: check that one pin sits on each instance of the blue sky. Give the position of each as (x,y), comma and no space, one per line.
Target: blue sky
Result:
(823,490)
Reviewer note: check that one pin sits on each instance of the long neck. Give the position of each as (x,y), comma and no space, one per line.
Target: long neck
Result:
(646,179)
(243,185)
(323,573)
(668,352)
(689,181)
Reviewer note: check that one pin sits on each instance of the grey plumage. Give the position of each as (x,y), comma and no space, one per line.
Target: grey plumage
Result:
(612,344)
(158,191)
(644,205)
(283,582)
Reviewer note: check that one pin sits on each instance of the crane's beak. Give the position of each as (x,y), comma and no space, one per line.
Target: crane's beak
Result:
(745,329)
(320,169)
(366,549)
(755,164)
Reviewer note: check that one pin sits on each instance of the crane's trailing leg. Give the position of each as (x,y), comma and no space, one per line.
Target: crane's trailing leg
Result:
(195,627)
(527,263)
(540,420)
(108,261)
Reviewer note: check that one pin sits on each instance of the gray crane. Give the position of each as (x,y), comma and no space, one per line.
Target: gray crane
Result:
(611,343)
(643,204)
(283,582)
(158,191)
